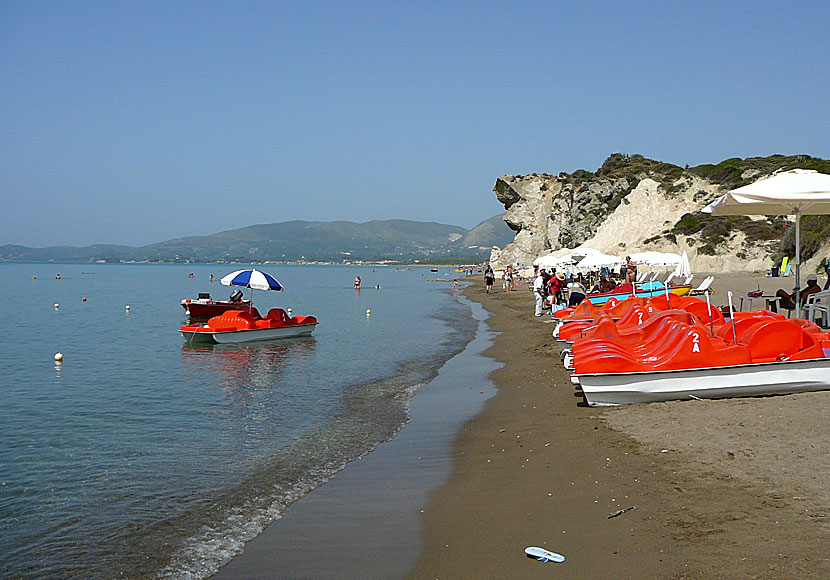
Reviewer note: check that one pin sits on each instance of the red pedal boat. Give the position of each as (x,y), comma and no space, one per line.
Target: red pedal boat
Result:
(237,326)
(757,353)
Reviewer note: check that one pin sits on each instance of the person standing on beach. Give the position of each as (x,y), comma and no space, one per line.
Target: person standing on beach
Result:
(555,286)
(489,278)
(539,291)
(546,276)
(630,270)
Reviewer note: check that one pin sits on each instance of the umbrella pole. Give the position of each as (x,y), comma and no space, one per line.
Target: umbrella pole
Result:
(709,308)
(797,293)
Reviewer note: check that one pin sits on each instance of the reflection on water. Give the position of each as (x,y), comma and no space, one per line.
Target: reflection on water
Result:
(239,366)
(251,376)
(136,448)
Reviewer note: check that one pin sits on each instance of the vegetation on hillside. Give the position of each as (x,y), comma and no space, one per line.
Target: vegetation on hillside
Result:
(815,231)
(406,242)
(713,231)
(737,172)
(637,167)
(400,241)
(627,170)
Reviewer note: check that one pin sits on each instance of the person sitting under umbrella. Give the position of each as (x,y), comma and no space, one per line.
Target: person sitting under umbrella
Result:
(787,300)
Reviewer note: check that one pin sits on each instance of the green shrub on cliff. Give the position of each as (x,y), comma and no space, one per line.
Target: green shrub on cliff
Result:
(627,170)
(715,230)
(815,231)
(737,172)
(729,174)
(636,167)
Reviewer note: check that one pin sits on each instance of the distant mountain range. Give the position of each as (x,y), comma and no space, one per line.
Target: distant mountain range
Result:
(298,241)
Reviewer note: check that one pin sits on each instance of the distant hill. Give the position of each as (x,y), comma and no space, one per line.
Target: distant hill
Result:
(298,241)
(489,233)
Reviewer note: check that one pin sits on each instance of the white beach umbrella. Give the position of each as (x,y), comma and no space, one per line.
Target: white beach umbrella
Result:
(579,254)
(795,192)
(560,258)
(595,261)
(684,268)
(547,262)
(672,259)
(656,258)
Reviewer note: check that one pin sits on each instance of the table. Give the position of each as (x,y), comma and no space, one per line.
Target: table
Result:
(770,299)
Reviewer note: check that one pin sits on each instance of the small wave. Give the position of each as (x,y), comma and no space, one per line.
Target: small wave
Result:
(373,413)
(214,546)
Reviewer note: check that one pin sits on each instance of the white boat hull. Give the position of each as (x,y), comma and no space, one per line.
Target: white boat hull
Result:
(256,334)
(776,378)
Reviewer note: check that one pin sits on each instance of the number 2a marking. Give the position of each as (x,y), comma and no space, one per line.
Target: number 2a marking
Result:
(695,342)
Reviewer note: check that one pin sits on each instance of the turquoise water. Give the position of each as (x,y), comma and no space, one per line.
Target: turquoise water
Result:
(138,456)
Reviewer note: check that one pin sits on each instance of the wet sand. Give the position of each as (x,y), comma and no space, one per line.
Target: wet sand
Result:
(365,522)
(717,489)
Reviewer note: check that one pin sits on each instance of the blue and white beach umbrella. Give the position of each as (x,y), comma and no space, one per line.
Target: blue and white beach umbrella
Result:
(253,279)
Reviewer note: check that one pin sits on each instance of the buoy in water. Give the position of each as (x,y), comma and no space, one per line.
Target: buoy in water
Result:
(57,305)
(127,307)
(58,357)
(83,299)
(368,312)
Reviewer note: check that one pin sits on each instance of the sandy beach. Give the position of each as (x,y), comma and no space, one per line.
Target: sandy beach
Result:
(711,489)
(502,453)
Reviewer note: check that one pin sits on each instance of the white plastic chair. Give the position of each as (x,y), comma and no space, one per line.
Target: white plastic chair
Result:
(817,308)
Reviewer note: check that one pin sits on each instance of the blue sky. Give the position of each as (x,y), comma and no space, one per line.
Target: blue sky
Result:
(133,123)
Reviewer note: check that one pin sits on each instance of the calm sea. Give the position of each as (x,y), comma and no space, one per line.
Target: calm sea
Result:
(138,456)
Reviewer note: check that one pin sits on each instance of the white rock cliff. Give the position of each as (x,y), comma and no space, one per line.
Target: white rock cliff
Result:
(550,212)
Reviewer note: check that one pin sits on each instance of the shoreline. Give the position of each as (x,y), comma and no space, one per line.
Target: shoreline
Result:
(536,468)
(681,490)
(352,525)
(719,488)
